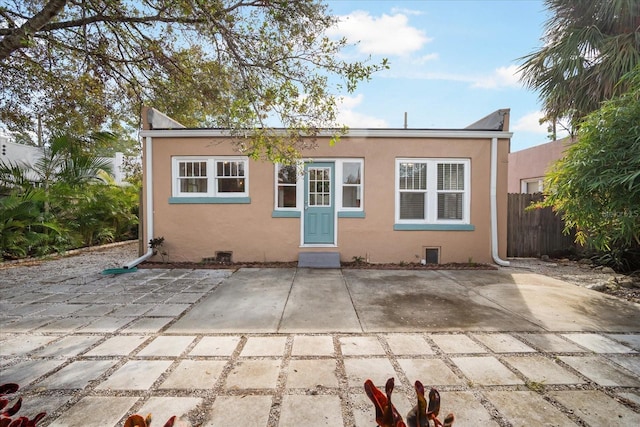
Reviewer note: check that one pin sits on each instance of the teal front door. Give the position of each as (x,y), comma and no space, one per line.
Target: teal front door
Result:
(319,206)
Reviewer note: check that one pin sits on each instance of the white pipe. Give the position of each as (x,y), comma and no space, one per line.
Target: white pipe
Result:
(494,204)
(149,206)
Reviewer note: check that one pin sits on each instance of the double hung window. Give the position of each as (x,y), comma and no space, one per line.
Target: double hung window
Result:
(210,177)
(352,184)
(286,193)
(432,191)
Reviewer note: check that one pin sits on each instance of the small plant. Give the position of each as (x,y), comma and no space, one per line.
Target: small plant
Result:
(418,416)
(358,260)
(157,245)
(136,420)
(536,386)
(6,415)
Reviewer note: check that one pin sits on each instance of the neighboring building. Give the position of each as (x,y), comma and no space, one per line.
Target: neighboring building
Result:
(382,195)
(527,167)
(11,152)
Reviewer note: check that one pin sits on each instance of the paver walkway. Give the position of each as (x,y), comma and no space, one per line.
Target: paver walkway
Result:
(90,351)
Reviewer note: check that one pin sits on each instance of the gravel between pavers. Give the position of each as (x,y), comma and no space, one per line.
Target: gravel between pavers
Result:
(482,404)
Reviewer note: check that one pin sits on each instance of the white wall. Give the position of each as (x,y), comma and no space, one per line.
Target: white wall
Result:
(11,152)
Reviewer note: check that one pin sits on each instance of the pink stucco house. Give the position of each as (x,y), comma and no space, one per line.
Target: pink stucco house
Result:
(528,167)
(380,195)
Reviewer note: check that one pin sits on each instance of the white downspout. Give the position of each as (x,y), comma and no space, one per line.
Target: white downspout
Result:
(494,204)
(148,153)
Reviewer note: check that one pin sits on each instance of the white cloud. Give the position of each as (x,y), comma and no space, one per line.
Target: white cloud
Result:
(531,123)
(425,58)
(501,77)
(384,35)
(406,11)
(348,116)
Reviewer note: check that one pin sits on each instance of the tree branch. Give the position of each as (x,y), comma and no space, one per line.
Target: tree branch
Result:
(18,38)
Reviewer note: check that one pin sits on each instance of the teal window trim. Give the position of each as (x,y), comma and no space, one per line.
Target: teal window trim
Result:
(209,200)
(434,227)
(285,214)
(351,214)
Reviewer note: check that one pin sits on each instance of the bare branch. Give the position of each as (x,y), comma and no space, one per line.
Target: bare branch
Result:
(18,38)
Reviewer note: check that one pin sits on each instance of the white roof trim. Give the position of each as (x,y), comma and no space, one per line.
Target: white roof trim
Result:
(367,133)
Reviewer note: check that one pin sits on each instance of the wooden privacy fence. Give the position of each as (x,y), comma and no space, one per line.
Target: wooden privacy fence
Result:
(534,232)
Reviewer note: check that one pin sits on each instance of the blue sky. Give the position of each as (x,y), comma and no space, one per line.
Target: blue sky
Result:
(452,62)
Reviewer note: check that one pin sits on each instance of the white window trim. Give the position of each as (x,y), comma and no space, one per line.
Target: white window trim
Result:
(338,185)
(299,188)
(538,181)
(212,190)
(432,192)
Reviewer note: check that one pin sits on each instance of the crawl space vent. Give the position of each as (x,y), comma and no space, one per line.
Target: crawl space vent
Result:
(432,255)
(221,257)
(224,257)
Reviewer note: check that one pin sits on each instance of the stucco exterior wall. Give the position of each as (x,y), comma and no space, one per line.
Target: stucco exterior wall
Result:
(532,163)
(196,231)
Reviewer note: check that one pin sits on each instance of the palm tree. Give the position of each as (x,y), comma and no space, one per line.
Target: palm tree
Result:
(588,46)
(36,199)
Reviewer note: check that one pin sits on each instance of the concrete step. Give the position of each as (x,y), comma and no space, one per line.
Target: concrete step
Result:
(319,259)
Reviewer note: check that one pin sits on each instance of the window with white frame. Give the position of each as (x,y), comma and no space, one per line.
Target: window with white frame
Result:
(532,186)
(210,177)
(287,192)
(432,191)
(352,184)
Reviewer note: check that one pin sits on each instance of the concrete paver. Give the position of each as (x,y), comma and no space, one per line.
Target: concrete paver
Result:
(355,346)
(551,343)
(163,408)
(486,370)
(503,343)
(25,372)
(312,411)
(457,344)
(120,345)
(408,344)
(595,408)
(543,370)
(312,346)
(135,375)
(264,346)
(68,346)
(435,371)
(598,343)
(468,410)
(312,373)
(169,346)
(216,346)
(194,374)
(359,370)
(76,375)
(600,372)
(97,411)
(226,410)
(248,374)
(528,408)
(15,346)
(249,348)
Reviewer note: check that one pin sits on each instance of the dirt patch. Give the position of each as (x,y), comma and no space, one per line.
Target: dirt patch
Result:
(584,273)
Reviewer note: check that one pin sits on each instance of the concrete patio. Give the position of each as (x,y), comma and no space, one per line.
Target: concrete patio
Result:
(290,347)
